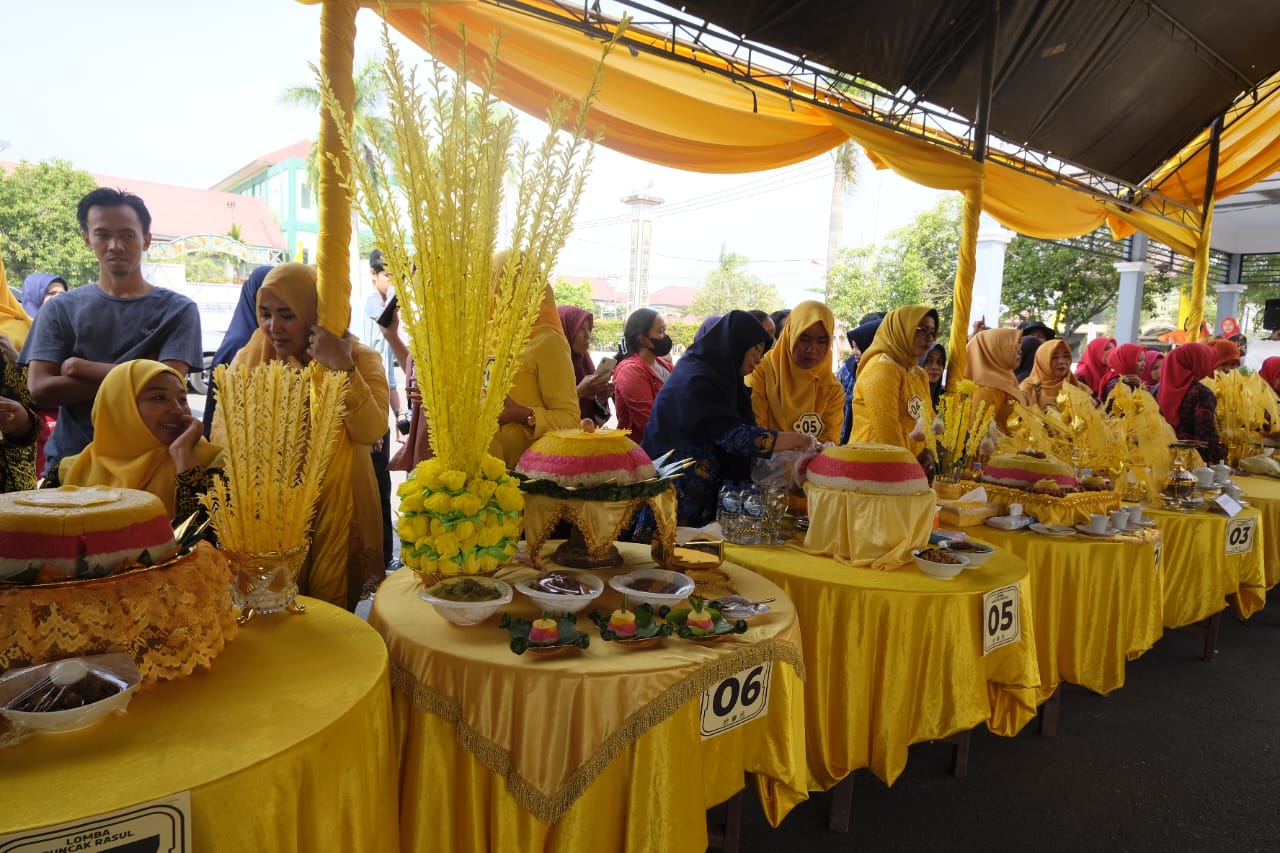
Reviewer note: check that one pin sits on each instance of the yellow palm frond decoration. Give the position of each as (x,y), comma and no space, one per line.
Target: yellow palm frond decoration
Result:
(1146,437)
(1246,405)
(451,151)
(281,426)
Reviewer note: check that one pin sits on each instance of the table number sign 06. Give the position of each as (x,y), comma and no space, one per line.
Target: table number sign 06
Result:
(1240,534)
(737,700)
(1001,623)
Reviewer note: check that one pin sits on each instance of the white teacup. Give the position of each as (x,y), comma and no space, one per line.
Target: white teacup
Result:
(1233,490)
(1120,519)
(1135,514)
(1221,472)
(1204,476)
(1097,523)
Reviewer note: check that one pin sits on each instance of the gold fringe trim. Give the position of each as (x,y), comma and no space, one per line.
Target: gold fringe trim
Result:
(1074,508)
(550,808)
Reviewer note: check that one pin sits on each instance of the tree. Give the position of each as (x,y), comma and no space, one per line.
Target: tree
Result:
(573,293)
(845,160)
(730,286)
(38,228)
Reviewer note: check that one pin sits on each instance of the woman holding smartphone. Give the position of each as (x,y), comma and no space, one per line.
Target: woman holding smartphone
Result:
(595,387)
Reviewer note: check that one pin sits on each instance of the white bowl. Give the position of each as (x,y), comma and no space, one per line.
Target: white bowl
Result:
(941,571)
(976,553)
(115,667)
(562,602)
(467,612)
(683,583)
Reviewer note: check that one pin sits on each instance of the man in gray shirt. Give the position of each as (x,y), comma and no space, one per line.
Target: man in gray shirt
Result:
(77,338)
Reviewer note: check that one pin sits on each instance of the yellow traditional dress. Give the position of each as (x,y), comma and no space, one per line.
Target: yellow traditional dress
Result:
(992,356)
(787,397)
(892,391)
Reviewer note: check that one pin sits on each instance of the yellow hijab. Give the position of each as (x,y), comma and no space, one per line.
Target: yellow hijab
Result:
(295,286)
(124,453)
(14,321)
(548,318)
(790,389)
(991,357)
(1042,374)
(896,337)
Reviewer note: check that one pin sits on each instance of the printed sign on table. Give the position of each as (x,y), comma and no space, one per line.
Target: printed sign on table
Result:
(160,825)
(1001,621)
(737,700)
(1240,532)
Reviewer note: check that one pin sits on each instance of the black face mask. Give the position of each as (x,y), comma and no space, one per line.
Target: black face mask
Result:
(660,346)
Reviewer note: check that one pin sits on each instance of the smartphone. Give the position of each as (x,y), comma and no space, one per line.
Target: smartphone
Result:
(388,314)
(606,366)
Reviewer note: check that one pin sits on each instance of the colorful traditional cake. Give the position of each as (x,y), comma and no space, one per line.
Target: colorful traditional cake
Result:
(623,622)
(573,457)
(877,469)
(699,617)
(1025,471)
(544,631)
(80,531)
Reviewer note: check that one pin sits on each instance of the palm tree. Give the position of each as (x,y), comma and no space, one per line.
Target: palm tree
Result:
(846,178)
(370,128)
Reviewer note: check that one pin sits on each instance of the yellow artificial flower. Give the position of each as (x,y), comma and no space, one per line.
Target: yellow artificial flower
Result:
(404,528)
(468,504)
(440,502)
(484,489)
(412,502)
(489,535)
(428,474)
(464,530)
(446,545)
(510,498)
(408,487)
(437,527)
(453,480)
(966,386)
(493,468)
(418,526)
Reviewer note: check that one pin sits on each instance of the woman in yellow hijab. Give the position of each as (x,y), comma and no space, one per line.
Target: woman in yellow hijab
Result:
(794,388)
(145,438)
(1050,372)
(19,419)
(993,355)
(891,399)
(346,541)
(544,394)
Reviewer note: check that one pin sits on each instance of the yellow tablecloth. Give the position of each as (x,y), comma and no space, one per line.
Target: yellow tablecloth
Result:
(1199,575)
(1263,493)
(286,745)
(1097,603)
(598,749)
(895,658)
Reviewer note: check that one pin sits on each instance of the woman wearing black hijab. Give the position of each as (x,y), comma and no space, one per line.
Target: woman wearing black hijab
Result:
(704,412)
(1030,343)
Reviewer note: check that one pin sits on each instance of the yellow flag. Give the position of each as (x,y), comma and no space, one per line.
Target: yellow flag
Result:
(301,254)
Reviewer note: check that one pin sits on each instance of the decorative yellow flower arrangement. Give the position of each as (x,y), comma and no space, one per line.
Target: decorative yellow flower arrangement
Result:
(959,430)
(434,200)
(454,524)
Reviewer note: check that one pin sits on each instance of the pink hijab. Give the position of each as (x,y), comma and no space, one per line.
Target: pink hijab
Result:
(1154,357)
(1092,370)
(1184,367)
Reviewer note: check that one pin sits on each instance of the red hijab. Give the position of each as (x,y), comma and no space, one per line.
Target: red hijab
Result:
(1184,367)
(1270,371)
(1226,351)
(573,318)
(1123,360)
(1154,357)
(1092,370)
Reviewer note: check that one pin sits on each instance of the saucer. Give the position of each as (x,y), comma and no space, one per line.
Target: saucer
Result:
(1008,522)
(1084,528)
(1053,529)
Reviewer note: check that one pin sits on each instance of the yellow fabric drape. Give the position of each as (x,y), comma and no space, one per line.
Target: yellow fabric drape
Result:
(333,250)
(875,531)
(14,321)
(124,453)
(1199,575)
(781,391)
(895,658)
(286,744)
(1264,494)
(962,290)
(1199,280)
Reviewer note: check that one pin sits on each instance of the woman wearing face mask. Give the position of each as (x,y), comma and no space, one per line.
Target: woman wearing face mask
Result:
(643,368)
(145,438)
(1051,371)
(704,413)
(793,387)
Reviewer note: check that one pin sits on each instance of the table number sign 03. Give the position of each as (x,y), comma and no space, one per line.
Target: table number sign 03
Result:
(737,700)
(1240,535)
(1001,621)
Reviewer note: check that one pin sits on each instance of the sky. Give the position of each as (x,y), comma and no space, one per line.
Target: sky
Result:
(186,93)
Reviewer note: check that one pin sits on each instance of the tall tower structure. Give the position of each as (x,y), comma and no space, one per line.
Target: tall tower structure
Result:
(642,203)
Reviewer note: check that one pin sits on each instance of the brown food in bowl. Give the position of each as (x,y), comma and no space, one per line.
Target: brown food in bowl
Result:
(467,589)
(971,547)
(92,688)
(938,555)
(653,585)
(561,583)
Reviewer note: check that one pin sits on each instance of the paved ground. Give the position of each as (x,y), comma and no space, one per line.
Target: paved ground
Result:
(1183,757)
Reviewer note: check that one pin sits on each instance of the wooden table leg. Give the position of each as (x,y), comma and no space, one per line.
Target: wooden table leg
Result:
(1049,714)
(960,753)
(1213,624)
(726,837)
(841,805)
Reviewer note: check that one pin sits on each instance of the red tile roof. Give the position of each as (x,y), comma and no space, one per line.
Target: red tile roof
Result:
(673,295)
(184,211)
(300,149)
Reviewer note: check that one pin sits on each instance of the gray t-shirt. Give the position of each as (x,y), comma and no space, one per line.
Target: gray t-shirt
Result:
(89,324)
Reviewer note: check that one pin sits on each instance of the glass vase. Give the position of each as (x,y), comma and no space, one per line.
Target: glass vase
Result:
(265,582)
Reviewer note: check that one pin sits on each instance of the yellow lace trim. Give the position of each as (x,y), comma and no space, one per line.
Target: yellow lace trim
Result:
(170,619)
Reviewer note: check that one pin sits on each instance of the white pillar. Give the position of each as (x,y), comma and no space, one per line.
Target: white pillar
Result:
(988,277)
(1228,302)
(1129,304)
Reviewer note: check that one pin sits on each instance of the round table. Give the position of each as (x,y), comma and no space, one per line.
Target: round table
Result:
(596,749)
(896,657)
(285,745)
(1098,602)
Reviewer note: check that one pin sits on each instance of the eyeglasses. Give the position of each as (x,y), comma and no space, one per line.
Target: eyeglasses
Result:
(927,332)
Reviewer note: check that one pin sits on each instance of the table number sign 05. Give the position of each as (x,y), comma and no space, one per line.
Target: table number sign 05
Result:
(1001,622)
(1240,535)
(737,700)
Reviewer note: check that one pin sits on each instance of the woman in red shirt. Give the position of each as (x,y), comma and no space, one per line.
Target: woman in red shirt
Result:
(642,369)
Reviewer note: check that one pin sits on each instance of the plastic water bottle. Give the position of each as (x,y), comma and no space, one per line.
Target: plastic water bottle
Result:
(752,517)
(730,511)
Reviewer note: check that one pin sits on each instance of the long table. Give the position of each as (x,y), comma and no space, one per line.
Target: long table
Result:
(1208,559)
